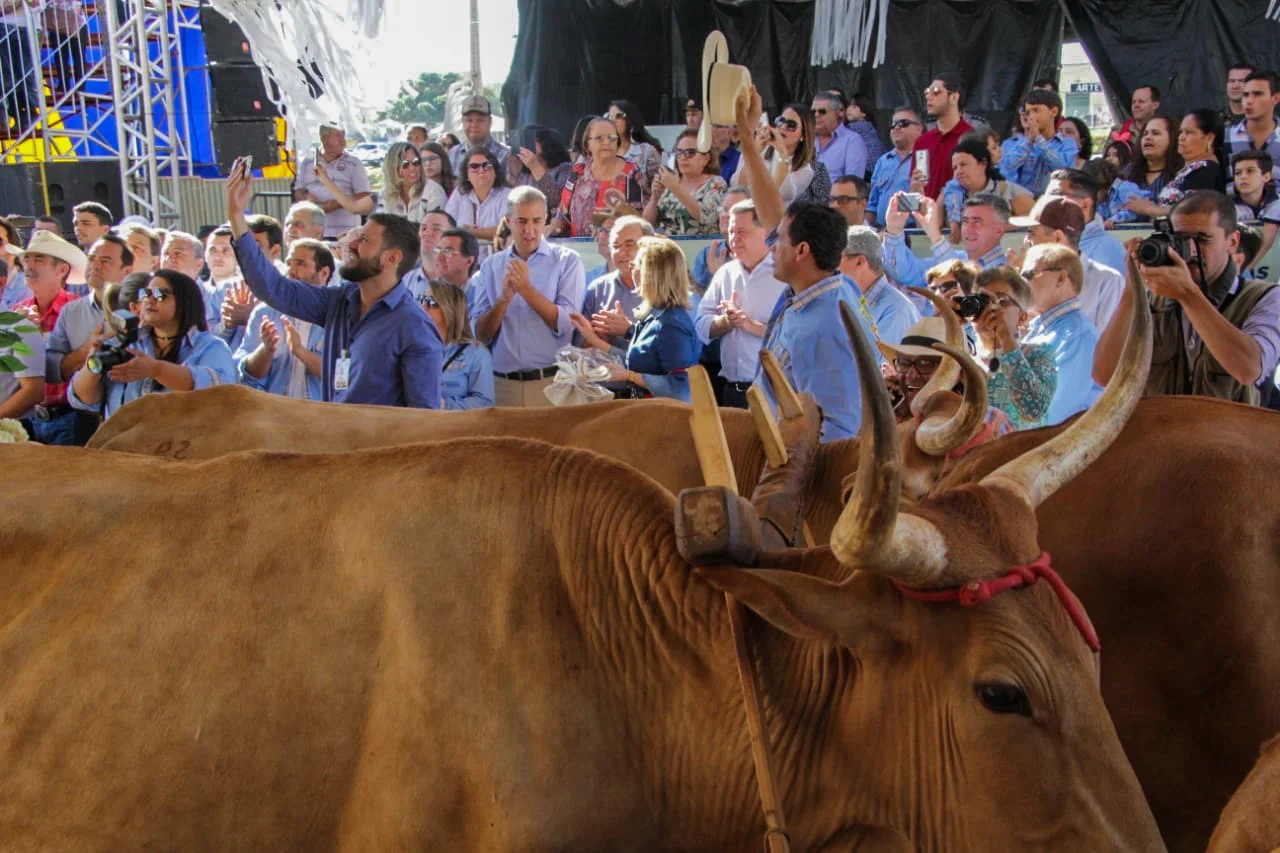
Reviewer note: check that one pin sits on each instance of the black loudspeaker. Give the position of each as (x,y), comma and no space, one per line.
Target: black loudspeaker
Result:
(69,184)
(232,139)
(224,41)
(239,95)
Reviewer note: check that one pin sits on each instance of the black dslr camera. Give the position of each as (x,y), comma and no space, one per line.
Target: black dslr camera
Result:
(1154,251)
(972,305)
(116,353)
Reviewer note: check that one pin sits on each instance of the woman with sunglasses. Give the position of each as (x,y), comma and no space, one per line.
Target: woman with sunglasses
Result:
(174,351)
(1023,377)
(480,201)
(15,289)
(792,157)
(405,189)
(599,185)
(688,203)
(663,344)
(467,382)
(635,143)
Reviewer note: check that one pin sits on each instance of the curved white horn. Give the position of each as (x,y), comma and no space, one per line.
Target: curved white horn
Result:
(939,436)
(948,373)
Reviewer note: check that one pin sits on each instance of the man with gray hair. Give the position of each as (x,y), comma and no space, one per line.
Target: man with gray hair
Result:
(182,253)
(612,298)
(524,296)
(984,220)
(840,149)
(738,303)
(304,219)
(892,313)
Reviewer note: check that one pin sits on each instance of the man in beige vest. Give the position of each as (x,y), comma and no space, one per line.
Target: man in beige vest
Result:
(1216,334)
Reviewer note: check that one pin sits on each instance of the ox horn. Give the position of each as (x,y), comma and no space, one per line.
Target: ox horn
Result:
(948,373)
(1038,473)
(939,436)
(869,533)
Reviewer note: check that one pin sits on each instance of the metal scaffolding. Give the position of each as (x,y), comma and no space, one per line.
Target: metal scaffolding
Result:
(131,70)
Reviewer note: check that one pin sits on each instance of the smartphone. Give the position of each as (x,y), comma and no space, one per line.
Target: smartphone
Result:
(909,202)
(242,165)
(922,163)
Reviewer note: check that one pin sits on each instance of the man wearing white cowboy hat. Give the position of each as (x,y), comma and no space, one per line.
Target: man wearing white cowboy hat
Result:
(913,359)
(48,262)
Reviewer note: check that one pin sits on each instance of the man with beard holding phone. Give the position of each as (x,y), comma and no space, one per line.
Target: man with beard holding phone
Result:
(380,347)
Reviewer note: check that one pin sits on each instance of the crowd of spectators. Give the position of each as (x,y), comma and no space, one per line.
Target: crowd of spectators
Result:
(445,290)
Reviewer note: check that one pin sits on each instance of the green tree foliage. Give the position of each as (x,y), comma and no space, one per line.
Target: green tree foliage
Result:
(12,327)
(422,101)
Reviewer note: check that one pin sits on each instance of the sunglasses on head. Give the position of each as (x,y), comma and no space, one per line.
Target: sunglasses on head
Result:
(903,122)
(479,167)
(789,123)
(404,164)
(159,294)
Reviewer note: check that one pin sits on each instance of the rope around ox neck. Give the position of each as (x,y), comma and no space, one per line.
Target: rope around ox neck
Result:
(975,593)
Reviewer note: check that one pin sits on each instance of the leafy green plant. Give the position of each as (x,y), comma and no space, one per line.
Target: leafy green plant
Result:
(12,327)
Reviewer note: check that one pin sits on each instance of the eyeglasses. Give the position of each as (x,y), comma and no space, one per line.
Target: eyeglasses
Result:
(686,153)
(404,164)
(1029,274)
(935,90)
(430,158)
(847,199)
(158,294)
(428,301)
(922,366)
(615,116)
(789,123)
(903,123)
(1002,301)
(446,252)
(942,288)
(479,167)
(611,139)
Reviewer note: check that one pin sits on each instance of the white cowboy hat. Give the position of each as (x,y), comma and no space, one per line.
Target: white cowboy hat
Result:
(916,343)
(722,84)
(48,243)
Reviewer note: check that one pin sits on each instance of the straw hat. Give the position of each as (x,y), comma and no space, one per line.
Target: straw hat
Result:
(722,84)
(48,243)
(916,342)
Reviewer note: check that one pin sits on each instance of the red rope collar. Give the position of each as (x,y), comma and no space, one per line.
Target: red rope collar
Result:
(974,593)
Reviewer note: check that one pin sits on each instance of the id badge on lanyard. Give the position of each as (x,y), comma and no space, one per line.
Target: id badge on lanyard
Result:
(342,372)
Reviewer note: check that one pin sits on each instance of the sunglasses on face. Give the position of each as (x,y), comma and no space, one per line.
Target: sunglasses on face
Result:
(428,301)
(686,153)
(922,366)
(404,164)
(615,116)
(942,288)
(903,123)
(479,167)
(820,111)
(789,123)
(934,90)
(157,294)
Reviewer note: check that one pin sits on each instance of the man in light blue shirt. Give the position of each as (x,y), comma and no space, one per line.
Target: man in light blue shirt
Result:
(1029,160)
(840,149)
(611,299)
(892,173)
(806,333)
(737,306)
(1056,276)
(983,222)
(1096,243)
(863,264)
(430,232)
(524,297)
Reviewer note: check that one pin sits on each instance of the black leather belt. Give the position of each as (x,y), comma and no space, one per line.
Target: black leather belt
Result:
(49,413)
(739,386)
(527,375)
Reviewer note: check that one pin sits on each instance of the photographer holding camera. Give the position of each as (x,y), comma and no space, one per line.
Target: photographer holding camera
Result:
(1023,376)
(1216,334)
(174,351)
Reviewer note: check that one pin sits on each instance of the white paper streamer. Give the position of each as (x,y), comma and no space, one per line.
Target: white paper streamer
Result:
(842,30)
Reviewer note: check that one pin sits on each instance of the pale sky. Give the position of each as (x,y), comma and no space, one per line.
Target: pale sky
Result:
(435,35)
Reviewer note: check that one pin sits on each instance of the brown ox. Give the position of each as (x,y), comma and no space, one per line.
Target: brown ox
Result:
(519,659)
(1251,821)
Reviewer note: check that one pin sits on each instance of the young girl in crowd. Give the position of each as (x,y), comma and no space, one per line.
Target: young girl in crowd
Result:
(1112,207)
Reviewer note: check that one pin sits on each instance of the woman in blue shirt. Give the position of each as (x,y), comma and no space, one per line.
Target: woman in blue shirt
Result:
(174,351)
(467,382)
(663,344)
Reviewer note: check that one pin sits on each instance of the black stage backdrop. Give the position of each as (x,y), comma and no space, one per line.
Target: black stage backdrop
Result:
(572,56)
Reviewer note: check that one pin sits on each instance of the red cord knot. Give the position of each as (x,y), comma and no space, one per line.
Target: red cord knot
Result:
(974,593)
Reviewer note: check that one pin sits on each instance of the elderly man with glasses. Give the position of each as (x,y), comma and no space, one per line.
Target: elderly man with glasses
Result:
(840,149)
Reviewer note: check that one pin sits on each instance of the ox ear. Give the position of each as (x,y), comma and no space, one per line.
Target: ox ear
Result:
(862,613)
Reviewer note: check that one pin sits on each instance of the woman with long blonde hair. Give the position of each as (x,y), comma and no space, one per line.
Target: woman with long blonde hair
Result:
(405,188)
(662,342)
(467,381)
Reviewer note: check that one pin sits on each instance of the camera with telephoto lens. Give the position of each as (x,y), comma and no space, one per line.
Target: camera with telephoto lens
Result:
(972,305)
(116,353)
(1154,250)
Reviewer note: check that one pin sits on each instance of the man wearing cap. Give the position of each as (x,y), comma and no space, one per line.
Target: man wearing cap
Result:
(1061,221)
(48,262)
(692,114)
(477,119)
(345,172)
(863,263)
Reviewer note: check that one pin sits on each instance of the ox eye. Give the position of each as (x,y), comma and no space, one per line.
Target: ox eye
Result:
(1000,697)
